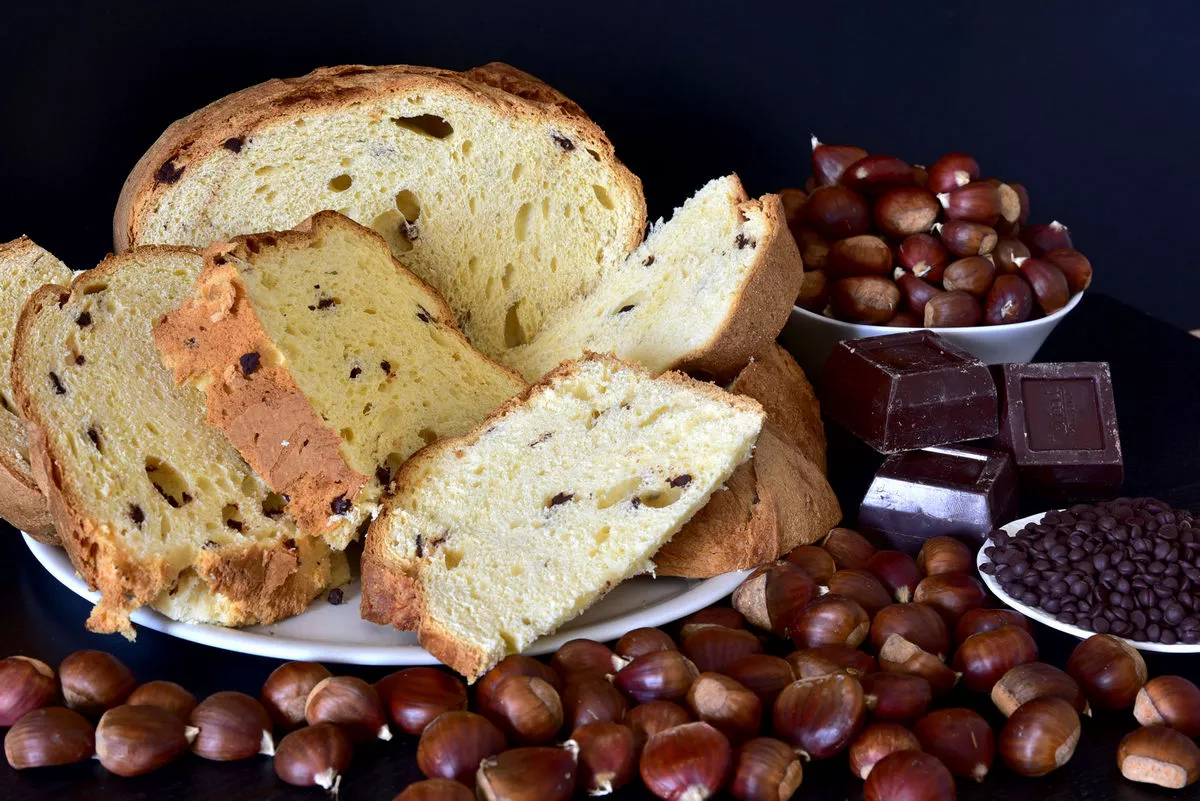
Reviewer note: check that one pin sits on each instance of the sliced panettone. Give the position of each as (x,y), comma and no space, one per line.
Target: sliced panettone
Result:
(498,537)
(489,184)
(775,380)
(153,506)
(24,267)
(327,364)
(704,293)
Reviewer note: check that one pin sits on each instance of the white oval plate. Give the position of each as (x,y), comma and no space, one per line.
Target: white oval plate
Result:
(1050,620)
(328,633)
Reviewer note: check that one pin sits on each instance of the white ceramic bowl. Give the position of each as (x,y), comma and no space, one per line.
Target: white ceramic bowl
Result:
(810,337)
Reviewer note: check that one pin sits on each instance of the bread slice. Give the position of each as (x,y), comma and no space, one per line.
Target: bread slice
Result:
(24,267)
(704,293)
(490,185)
(776,501)
(327,364)
(149,501)
(498,537)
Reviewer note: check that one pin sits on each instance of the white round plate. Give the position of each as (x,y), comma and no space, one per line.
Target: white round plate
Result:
(328,633)
(1050,620)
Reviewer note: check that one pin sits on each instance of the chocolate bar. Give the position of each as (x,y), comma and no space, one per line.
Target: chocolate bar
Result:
(899,392)
(957,491)
(1059,421)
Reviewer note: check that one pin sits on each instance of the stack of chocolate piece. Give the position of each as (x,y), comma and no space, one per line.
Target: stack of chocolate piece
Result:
(962,439)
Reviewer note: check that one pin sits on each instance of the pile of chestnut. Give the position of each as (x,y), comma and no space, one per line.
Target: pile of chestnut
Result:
(879,637)
(888,243)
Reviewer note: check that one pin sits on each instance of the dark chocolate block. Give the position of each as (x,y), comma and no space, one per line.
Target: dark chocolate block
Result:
(1059,421)
(958,491)
(900,392)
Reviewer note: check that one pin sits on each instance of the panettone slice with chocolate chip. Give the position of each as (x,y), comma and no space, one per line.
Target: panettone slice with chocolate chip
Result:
(704,293)
(500,536)
(153,506)
(24,267)
(327,364)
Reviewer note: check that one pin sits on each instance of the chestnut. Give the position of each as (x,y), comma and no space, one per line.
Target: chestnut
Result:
(944,555)
(906,210)
(983,658)
(897,571)
(924,256)
(315,756)
(1169,701)
(284,692)
(813,560)
(814,251)
(593,701)
(951,594)
(133,740)
(528,774)
(710,616)
(712,649)
(691,762)
(972,274)
(961,739)
(904,319)
(849,549)
(820,716)
(763,674)
(1010,205)
(415,696)
(876,174)
(1041,238)
(1009,254)
(964,238)
(513,664)
(579,659)
(1033,680)
(351,703)
(793,201)
(869,299)
(877,741)
(93,681)
(1048,282)
(977,202)
(823,659)
(918,623)
(915,293)
(1074,266)
(1040,736)
(837,212)
(664,675)
(1159,755)
(166,695)
(773,595)
(607,757)
(865,254)
(435,790)
(25,684)
(453,745)
(860,586)
(830,161)
(814,285)
(644,641)
(726,705)
(896,697)
(527,709)
(765,769)
(48,736)
(1010,300)
(955,309)
(231,726)
(1109,670)
(831,620)
(647,720)
(898,655)
(952,171)
(978,621)
(1023,197)
(909,776)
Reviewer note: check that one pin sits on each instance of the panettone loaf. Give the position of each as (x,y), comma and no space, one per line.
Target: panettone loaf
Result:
(24,267)
(148,499)
(502,535)
(775,380)
(488,184)
(327,364)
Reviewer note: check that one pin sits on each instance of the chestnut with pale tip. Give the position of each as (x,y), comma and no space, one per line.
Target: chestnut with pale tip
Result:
(984,658)
(1031,680)
(944,555)
(1041,238)
(898,655)
(973,275)
(820,716)
(1048,283)
(231,726)
(314,756)
(822,659)
(1171,701)
(864,254)
(415,696)
(166,695)
(909,776)
(765,769)
(1010,300)
(539,773)
(906,210)
(923,256)
(897,571)
(513,664)
(860,586)
(961,739)
(25,684)
(1159,755)
(829,162)
(977,202)
(1109,670)
(1040,736)
(607,757)
(915,292)
(772,595)
(865,299)
(713,648)
(965,238)
(527,709)
(593,701)
(134,740)
(726,705)
(813,560)
(916,622)
(952,171)
(644,641)
(351,703)
(831,620)
(951,594)
(896,697)
(691,762)
(435,790)
(849,549)
(94,681)
(664,675)
(582,658)
(49,736)
(955,309)
(978,621)
(453,745)
(710,616)
(1009,254)
(647,720)
(876,174)
(876,742)
(284,692)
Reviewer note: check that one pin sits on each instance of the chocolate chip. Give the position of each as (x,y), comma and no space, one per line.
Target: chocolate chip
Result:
(383,474)
(563,142)
(336,596)
(234,144)
(190,342)
(561,498)
(423,315)
(250,363)
(636,502)
(84,319)
(628,308)
(94,436)
(681,480)
(236,525)
(325,303)
(340,505)
(741,241)
(59,389)
(168,173)
(355,372)
(80,360)
(648,260)
(136,514)
(289,544)
(386,366)
(420,544)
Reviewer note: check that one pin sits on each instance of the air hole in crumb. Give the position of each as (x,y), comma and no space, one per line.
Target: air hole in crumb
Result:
(347,434)
(453,558)
(514,333)
(340,183)
(427,435)
(93,289)
(602,196)
(506,279)
(273,504)
(232,516)
(593,154)
(660,500)
(629,304)
(392,226)
(518,168)
(408,205)
(521,224)
(510,642)
(617,493)
(601,535)
(427,124)
(169,483)
(93,434)
(466,147)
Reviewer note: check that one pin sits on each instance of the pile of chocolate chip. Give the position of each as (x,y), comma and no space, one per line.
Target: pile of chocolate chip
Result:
(1129,567)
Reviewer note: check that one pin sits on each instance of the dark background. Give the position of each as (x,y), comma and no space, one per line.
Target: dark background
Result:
(1093,106)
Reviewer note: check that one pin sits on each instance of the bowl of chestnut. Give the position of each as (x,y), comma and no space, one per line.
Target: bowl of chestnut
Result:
(890,246)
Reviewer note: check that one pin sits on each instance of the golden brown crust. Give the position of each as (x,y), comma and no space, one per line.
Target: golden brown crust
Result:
(763,304)
(775,380)
(236,117)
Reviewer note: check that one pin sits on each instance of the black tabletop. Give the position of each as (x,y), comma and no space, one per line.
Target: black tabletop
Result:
(1156,375)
